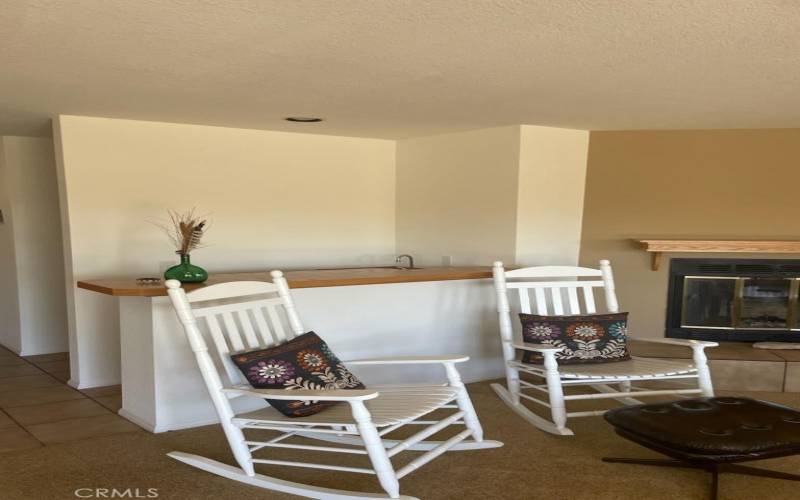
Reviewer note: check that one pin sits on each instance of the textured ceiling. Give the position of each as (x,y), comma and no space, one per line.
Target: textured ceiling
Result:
(403,68)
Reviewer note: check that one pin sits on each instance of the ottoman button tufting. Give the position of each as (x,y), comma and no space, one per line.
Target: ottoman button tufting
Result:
(715,432)
(756,426)
(693,405)
(729,401)
(655,409)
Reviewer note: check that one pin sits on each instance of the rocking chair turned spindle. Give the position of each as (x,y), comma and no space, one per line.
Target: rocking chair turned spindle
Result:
(245,316)
(556,291)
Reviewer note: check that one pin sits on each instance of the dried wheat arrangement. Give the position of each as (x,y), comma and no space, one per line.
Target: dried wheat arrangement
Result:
(185,230)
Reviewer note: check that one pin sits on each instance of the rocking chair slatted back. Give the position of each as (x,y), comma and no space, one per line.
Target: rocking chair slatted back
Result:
(557,298)
(240,316)
(550,297)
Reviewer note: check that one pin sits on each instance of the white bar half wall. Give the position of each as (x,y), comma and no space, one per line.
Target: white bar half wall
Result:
(162,389)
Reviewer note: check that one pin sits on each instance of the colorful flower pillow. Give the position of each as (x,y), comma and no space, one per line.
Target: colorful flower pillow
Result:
(305,362)
(591,338)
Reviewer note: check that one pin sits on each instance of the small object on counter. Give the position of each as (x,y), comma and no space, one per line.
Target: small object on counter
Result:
(148,281)
(776,345)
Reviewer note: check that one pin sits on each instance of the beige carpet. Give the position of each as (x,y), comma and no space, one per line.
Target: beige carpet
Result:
(531,465)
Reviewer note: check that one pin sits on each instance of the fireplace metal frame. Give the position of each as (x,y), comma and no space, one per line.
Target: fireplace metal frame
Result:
(728,269)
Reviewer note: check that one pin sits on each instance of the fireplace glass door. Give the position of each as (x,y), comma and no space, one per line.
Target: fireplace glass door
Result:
(708,302)
(763,303)
(752,303)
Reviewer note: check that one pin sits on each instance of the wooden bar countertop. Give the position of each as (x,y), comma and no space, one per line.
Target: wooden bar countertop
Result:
(310,278)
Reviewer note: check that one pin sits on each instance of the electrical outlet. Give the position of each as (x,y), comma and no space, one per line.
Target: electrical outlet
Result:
(447,260)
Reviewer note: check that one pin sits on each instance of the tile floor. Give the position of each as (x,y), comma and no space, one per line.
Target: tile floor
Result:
(38,408)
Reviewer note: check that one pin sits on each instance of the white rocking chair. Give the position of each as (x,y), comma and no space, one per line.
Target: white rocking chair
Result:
(555,290)
(245,315)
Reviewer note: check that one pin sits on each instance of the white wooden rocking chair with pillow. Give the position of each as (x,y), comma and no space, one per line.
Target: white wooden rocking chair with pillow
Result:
(559,291)
(244,316)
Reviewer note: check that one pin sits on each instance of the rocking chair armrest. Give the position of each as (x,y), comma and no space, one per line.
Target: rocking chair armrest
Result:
(307,395)
(700,344)
(528,346)
(409,360)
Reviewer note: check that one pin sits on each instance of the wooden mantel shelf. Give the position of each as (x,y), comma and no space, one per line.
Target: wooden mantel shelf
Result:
(716,246)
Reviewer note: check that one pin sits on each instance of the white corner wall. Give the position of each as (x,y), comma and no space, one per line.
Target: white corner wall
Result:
(552,179)
(33,310)
(275,200)
(511,193)
(457,196)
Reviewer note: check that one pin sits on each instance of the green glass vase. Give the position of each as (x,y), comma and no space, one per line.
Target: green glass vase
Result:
(186,272)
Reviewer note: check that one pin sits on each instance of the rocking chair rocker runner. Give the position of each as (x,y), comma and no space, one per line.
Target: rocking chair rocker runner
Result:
(246,315)
(556,292)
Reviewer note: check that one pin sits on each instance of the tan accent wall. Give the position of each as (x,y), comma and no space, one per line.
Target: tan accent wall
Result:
(713,184)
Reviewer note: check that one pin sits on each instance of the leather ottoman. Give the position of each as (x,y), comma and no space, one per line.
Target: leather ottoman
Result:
(711,433)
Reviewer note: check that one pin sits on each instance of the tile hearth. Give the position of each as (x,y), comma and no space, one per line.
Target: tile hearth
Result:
(737,366)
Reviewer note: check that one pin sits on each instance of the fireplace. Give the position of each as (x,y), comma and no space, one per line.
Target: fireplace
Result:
(734,299)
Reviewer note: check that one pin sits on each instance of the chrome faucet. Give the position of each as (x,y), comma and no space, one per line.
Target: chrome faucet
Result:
(399,261)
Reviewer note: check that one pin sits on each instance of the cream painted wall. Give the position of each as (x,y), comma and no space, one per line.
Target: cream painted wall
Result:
(712,184)
(297,200)
(457,196)
(275,200)
(552,173)
(509,193)
(34,318)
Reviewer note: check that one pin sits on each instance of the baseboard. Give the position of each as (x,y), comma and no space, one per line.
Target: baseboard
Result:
(195,423)
(144,424)
(12,349)
(42,353)
(90,385)
(156,429)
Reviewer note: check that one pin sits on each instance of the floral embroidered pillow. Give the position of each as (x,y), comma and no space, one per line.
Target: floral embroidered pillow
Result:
(305,362)
(591,338)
